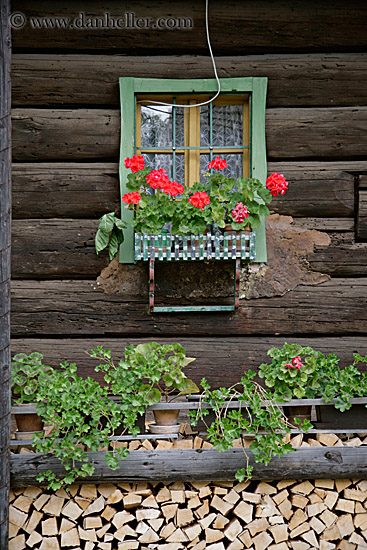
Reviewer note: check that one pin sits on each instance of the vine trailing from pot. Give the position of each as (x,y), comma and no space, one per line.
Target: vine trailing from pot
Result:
(160,204)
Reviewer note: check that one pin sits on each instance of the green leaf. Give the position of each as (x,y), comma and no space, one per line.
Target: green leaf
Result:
(101,240)
(112,461)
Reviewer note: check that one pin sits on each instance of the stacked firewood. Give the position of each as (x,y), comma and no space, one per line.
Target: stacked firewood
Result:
(280,515)
(188,440)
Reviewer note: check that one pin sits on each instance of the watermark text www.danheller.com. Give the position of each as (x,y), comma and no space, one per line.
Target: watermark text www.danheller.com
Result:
(128,21)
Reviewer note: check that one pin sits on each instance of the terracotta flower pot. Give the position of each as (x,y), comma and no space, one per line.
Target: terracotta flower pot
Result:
(166,417)
(29,422)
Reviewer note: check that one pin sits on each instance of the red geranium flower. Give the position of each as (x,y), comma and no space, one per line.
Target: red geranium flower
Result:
(173,188)
(217,164)
(276,183)
(136,163)
(240,212)
(295,363)
(157,179)
(199,199)
(131,198)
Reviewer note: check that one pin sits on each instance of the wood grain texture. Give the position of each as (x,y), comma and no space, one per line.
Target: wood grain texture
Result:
(361,221)
(65,190)
(47,249)
(314,26)
(203,465)
(77,134)
(294,79)
(80,308)
(219,359)
(5,217)
(89,190)
(64,248)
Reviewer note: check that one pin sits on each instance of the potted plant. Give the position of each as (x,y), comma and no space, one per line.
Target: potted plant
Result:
(257,416)
(302,372)
(148,373)
(81,415)
(28,374)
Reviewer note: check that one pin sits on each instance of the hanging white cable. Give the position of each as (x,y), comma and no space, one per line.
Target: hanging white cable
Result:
(214,69)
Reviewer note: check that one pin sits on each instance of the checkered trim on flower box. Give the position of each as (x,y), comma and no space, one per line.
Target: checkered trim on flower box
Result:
(217,246)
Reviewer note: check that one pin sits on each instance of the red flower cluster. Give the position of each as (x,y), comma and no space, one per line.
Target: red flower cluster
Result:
(136,163)
(240,212)
(276,183)
(199,199)
(173,188)
(157,179)
(295,363)
(131,198)
(217,164)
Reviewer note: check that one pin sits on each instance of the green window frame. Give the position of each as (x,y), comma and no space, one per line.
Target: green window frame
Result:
(130,87)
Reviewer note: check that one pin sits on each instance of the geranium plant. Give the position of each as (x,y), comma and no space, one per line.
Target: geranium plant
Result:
(219,201)
(297,371)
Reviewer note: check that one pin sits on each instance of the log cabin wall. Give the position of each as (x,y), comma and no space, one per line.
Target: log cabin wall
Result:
(65,176)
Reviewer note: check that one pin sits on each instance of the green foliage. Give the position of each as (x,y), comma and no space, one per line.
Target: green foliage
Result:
(318,376)
(257,416)
(147,371)
(80,413)
(110,233)
(27,374)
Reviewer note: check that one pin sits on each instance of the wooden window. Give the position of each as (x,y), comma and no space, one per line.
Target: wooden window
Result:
(183,141)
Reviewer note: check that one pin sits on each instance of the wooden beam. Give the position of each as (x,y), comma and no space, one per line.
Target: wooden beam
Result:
(5,216)
(314,26)
(335,80)
(59,189)
(203,465)
(50,308)
(361,226)
(77,134)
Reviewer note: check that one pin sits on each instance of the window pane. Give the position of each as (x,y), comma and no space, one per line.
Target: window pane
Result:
(154,161)
(233,170)
(156,126)
(180,135)
(180,169)
(227,125)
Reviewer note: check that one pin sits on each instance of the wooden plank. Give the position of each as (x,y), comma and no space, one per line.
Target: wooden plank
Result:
(361,228)
(65,190)
(77,134)
(315,26)
(212,353)
(337,79)
(203,465)
(55,249)
(5,223)
(59,190)
(81,308)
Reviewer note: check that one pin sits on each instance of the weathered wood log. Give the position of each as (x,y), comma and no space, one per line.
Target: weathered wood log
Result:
(294,80)
(212,354)
(53,248)
(76,134)
(48,249)
(202,465)
(335,307)
(88,190)
(317,26)
(5,216)
(65,190)
(361,226)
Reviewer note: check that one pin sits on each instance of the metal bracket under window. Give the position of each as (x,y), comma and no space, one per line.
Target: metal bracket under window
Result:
(234,245)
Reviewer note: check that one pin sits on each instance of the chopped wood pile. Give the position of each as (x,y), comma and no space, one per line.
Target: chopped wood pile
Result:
(288,514)
(188,440)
